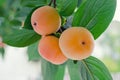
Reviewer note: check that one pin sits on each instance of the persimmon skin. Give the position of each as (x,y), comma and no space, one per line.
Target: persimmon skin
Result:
(49,49)
(76,43)
(45,20)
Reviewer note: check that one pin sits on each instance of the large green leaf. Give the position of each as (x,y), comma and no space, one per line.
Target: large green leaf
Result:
(89,69)
(51,71)
(21,37)
(66,7)
(95,15)
(32,52)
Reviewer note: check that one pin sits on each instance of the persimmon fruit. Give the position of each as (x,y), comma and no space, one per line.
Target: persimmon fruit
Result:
(49,49)
(76,43)
(45,20)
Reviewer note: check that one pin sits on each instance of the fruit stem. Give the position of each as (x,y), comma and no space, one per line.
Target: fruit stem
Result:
(54,3)
(61,29)
(75,61)
(51,2)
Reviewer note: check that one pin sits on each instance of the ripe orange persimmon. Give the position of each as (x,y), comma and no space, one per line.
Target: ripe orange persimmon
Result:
(49,49)
(45,20)
(76,43)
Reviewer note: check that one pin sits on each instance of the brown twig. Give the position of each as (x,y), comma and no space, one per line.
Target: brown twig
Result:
(51,2)
(61,29)
(54,2)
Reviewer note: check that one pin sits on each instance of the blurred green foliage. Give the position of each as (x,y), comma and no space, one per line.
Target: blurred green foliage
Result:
(110,47)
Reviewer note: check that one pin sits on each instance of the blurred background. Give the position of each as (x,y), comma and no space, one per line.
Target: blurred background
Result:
(15,64)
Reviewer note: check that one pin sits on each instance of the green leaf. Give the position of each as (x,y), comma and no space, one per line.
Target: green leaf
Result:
(2,2)
(79,2)
(95,15)
(51,71)
(74,70)
(2,52)
(15,22)
(22,12)
(66,7)
(32,52)
(21,37)
(33,3)
(89,69)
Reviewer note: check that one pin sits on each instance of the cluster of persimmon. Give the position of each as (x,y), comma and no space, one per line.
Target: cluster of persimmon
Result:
(74,43)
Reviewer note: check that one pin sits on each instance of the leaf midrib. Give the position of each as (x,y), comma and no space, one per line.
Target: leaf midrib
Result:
(87,68)
(95,16)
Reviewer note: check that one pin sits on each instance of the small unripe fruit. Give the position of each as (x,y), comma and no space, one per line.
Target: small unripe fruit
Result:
(45,20)
(76,43)
(49,49)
